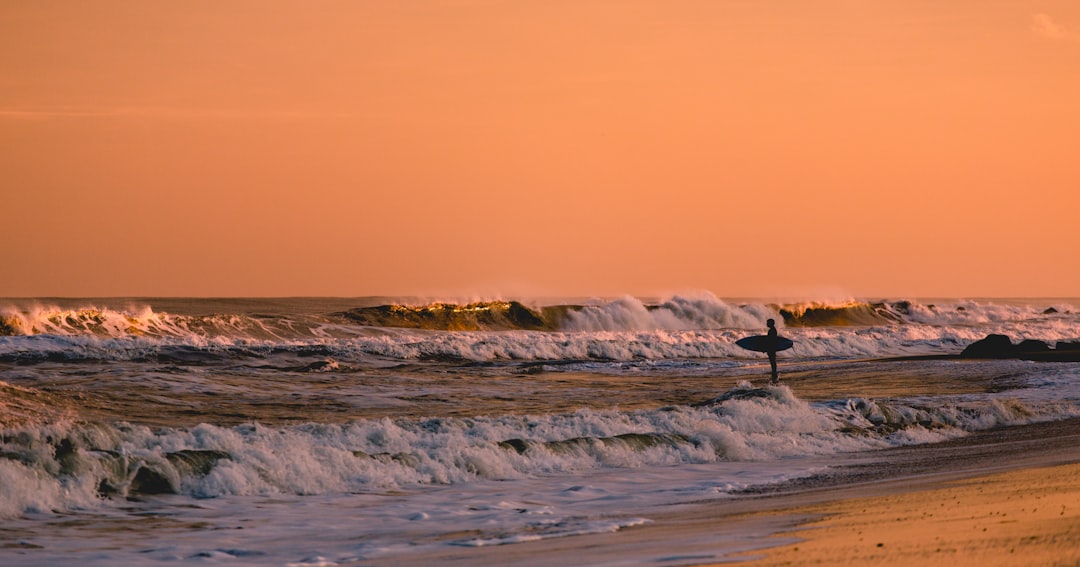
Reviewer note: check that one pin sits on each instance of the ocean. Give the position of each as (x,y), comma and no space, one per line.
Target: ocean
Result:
(385,431)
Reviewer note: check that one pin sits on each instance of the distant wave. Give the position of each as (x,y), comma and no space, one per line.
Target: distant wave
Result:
(138,322)
(683,313)
(845,315)
(480,316)
(692,313)
(678,313)
(563,348)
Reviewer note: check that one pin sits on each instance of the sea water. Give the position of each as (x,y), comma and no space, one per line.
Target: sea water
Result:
(345,431)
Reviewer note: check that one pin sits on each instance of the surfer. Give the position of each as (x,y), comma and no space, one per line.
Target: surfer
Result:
(771,345)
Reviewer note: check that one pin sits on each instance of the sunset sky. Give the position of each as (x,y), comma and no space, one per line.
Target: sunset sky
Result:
(552,147)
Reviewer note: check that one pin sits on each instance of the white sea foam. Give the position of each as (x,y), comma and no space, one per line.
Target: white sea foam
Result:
(377,455)
(681,327)
(395,527)
(702,311)
(839,342)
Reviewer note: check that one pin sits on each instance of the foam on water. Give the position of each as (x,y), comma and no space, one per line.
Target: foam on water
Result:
(837,342)
(682,327)
(394,527)
(702,311)
(64,467)
(279,319)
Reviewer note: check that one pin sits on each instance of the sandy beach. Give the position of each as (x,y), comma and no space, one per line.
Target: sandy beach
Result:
(1024,517)
(1003,497)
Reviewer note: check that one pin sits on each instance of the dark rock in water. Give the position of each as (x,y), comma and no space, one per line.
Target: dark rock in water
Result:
(1000,346)
(993,346)
(1049,311)
(1030,346)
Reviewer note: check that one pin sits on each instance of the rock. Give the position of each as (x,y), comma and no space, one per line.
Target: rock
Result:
(1000,346)
(1049,311)
(993,346)
(1031,346)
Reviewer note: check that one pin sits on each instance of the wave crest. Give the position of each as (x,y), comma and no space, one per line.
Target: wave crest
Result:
(694,312)
(844,315)
(140,321)
(478,316)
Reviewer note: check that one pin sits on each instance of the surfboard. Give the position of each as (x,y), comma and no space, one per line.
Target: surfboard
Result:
(760,343)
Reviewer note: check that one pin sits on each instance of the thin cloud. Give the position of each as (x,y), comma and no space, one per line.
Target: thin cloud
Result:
(1043,25)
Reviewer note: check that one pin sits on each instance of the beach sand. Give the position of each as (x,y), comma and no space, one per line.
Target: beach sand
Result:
(1003,497)
(1024,517)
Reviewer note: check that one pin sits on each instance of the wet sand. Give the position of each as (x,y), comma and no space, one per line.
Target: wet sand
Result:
(1024,517)
(1009,496)
(1022,484)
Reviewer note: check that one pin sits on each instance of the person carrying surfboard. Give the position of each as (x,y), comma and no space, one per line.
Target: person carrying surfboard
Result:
(771,345)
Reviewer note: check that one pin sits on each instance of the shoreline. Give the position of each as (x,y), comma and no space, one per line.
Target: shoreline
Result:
(984,510)
(997,480)
(759,526)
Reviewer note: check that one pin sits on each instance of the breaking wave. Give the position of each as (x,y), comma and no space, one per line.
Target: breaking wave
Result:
(678,313)
(625,329)
(68,466)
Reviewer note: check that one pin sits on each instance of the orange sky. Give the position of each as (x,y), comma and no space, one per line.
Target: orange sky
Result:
(547,147)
